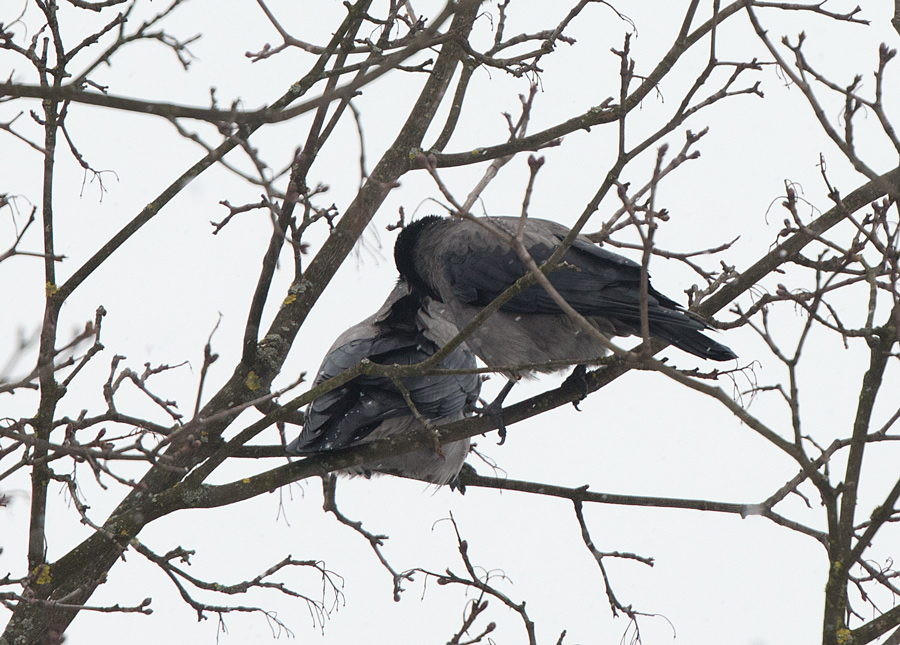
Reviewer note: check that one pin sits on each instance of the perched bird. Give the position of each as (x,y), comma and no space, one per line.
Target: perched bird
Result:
(404,331)
(465,266)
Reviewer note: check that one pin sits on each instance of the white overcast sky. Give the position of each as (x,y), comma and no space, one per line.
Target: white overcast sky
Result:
(717,579)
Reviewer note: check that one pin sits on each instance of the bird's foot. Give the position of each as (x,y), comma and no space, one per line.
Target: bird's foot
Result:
(577,380)
(494,410)
(458,482)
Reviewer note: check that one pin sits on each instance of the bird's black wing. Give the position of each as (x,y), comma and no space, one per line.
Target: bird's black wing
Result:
(346,415)
(594,281)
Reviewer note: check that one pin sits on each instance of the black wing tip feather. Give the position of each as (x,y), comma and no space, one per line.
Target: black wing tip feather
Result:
(702,346)
(298,446)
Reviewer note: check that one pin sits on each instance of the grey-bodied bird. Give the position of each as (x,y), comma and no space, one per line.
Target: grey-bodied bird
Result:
(465,266)
(404,331)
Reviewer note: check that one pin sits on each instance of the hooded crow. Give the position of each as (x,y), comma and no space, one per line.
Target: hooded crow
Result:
(462,264)
(405,331)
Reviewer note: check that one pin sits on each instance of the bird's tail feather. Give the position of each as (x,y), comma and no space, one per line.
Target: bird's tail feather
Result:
(696,343)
